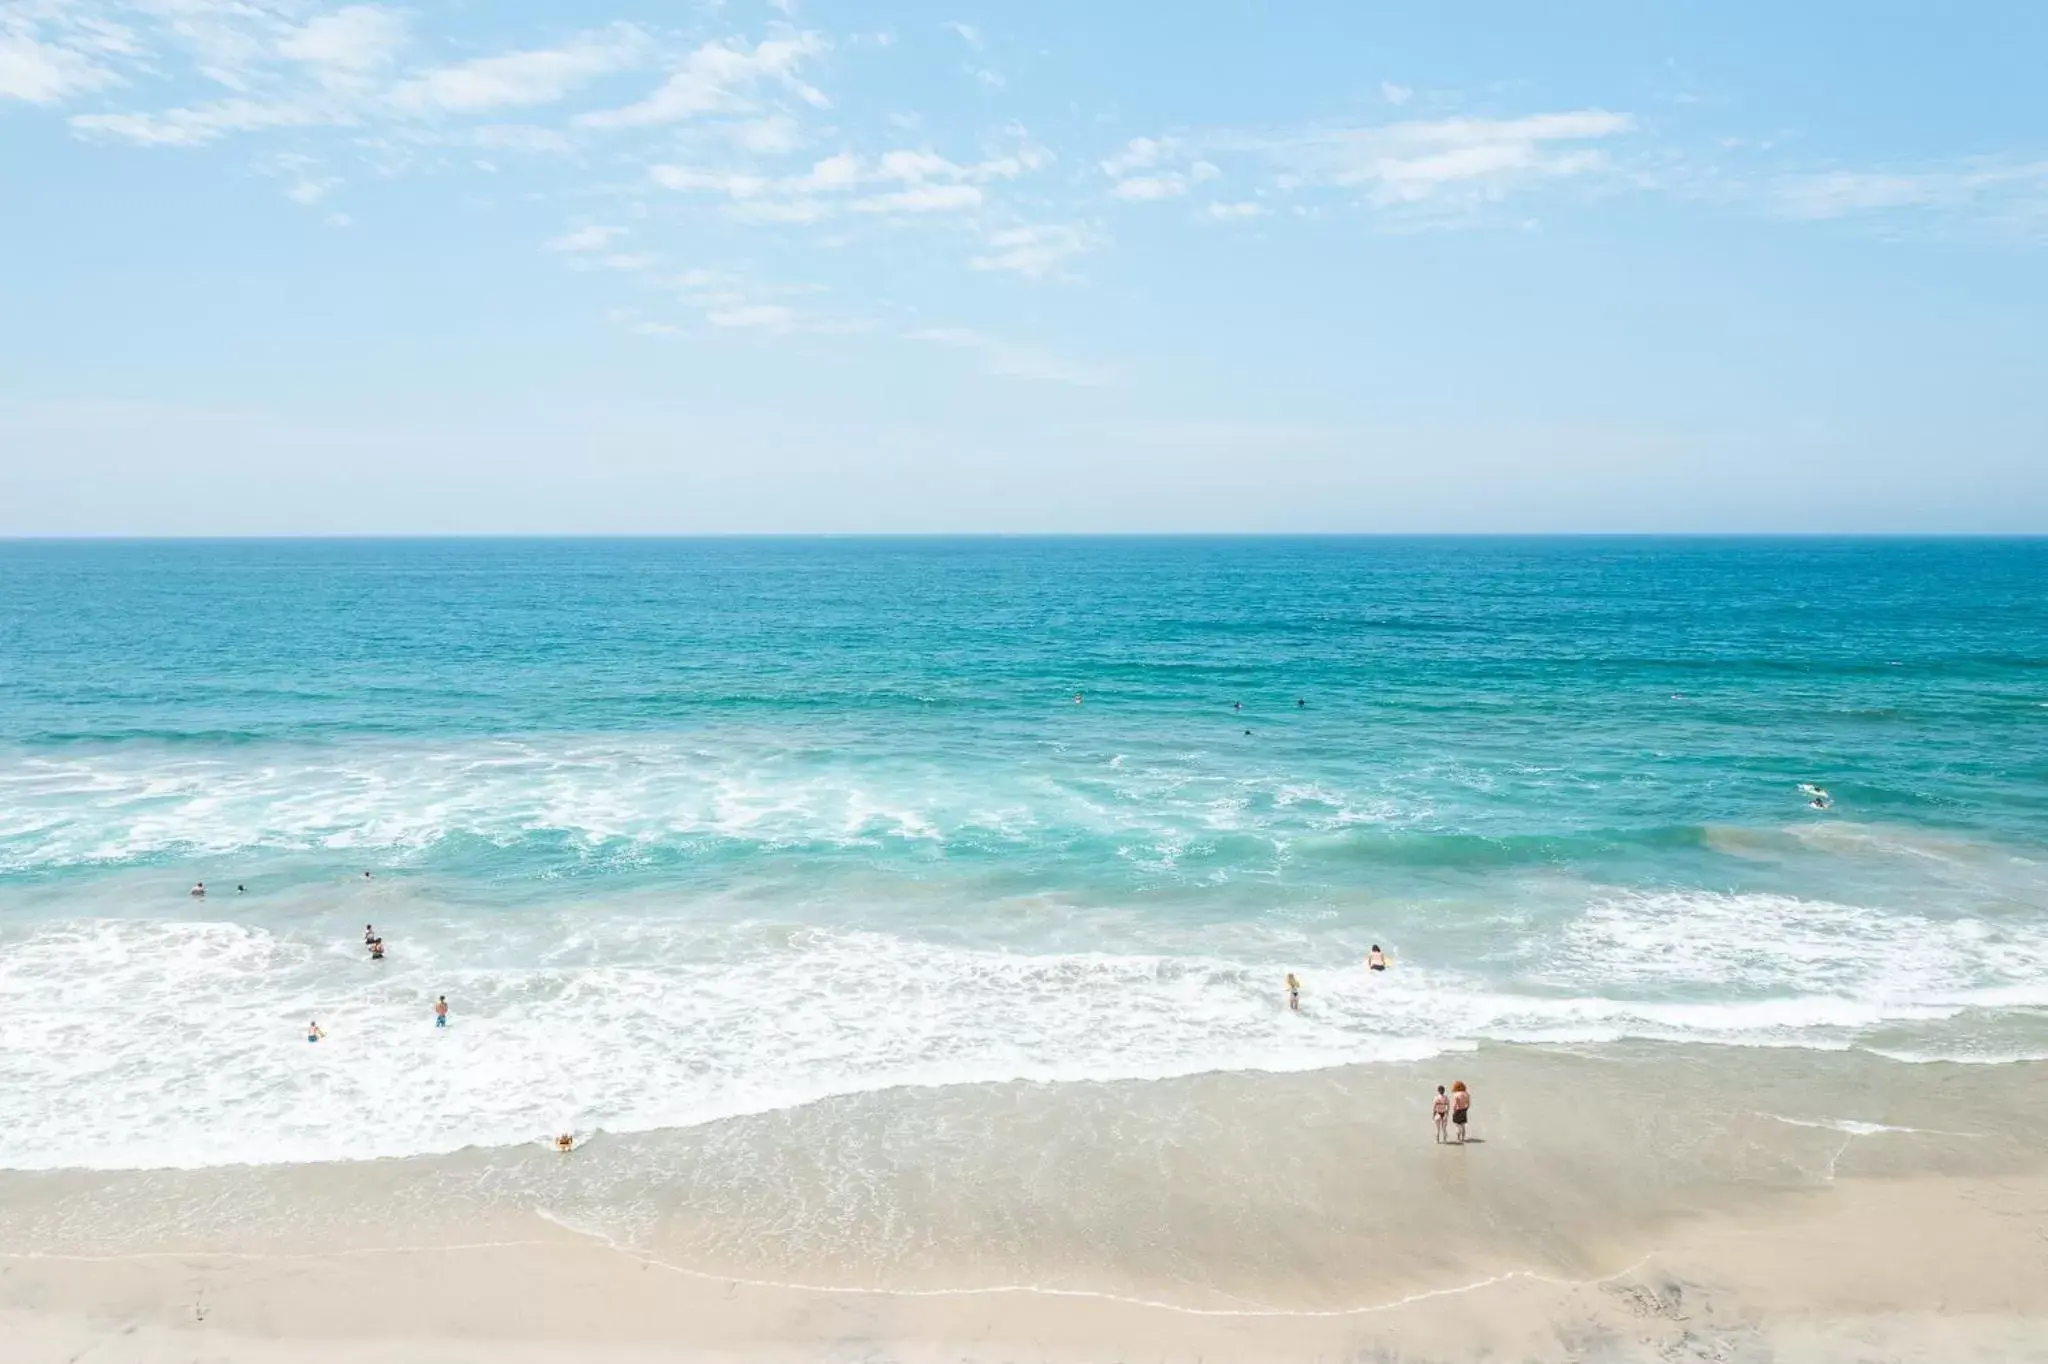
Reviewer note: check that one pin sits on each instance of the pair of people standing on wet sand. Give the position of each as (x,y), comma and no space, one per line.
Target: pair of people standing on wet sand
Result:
(1452,1109)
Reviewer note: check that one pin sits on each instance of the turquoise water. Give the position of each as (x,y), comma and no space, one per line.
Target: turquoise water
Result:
(690,828)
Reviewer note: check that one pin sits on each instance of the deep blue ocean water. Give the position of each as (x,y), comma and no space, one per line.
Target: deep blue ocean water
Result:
(666,782)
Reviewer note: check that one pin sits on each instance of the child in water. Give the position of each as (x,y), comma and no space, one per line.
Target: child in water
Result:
(314,1032)
(1293,993)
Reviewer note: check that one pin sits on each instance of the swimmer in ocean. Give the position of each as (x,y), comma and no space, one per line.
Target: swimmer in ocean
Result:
(1077,698)
(314,1032)
(441,1012)
(376,949)
(199,890)
(1293,993)
(369,934)
(1301,703)
(565,1143)
(1376,960)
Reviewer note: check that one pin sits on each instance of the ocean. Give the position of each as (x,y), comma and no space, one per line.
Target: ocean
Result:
(698,829)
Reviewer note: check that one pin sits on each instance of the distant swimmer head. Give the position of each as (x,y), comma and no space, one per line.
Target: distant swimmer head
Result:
(240,889)
(1077,698)
(1301,701)
(199,888)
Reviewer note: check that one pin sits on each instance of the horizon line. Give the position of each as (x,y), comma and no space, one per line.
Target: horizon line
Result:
(338,537)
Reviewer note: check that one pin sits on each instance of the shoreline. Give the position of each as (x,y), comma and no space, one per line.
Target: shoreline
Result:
(1624,1203)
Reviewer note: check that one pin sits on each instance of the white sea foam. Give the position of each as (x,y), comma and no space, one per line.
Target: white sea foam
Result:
(143,1042)
(1856,1128)
(130,803)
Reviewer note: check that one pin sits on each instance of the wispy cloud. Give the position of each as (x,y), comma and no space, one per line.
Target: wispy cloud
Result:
(1417,161)
(338,70)
(1165,184)
(906,180)
(523,79)
(1140,153)
(198,124)
(1038,250)
(306,183)
(1151,168)
(721,77)
(355,38)
(46,72)
(2003,189)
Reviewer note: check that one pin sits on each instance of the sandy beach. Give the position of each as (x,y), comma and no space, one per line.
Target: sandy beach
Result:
(1624,1203)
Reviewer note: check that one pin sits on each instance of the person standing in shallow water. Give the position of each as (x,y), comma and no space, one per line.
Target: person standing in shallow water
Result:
(441,1012)
(1293,993)
(1441,1111)
(1461,1108)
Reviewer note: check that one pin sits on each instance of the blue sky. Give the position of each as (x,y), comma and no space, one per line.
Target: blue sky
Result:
(282,266)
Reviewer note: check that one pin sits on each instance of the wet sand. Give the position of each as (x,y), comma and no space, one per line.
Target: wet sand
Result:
(1624,1203)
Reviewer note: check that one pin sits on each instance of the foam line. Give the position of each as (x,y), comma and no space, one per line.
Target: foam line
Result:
(1095,1295)
(1855,1128)
(840,1290)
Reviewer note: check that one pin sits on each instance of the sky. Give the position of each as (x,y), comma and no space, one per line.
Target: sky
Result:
(291,267)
